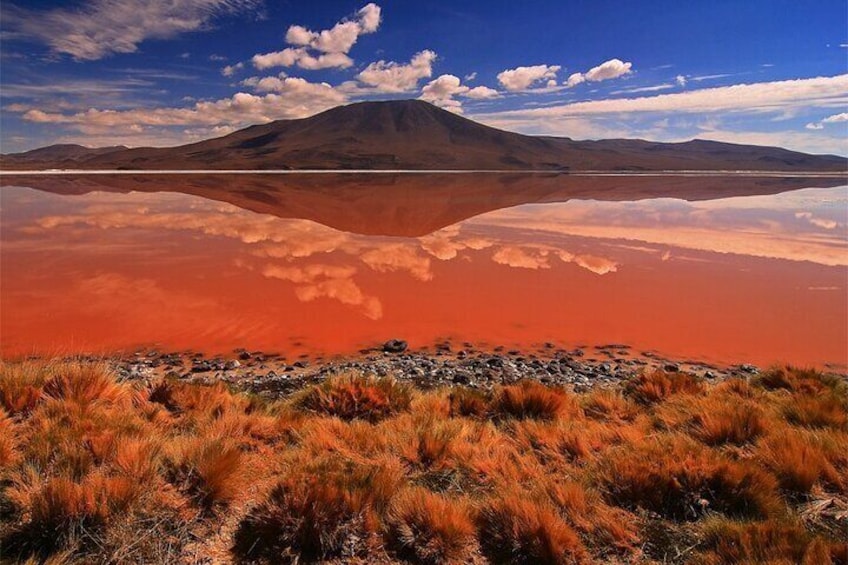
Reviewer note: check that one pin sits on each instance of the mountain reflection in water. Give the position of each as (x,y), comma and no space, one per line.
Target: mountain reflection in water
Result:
(331,265)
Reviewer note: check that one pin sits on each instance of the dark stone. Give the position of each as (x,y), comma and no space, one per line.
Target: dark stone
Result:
(671,367)
(395,346)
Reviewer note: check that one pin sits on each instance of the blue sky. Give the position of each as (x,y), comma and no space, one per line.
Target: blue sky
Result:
(102,72)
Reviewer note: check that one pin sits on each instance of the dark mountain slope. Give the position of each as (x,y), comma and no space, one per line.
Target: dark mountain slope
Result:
(411,134)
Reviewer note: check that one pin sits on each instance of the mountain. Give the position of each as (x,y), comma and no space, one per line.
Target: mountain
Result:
(65,152)
(411,134)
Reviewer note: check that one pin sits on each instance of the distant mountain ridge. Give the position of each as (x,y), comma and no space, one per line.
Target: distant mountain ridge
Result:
(412,134)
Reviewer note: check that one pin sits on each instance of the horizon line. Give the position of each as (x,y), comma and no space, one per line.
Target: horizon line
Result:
(587,172)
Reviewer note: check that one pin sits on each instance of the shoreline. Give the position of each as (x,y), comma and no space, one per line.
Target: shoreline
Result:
(277,376)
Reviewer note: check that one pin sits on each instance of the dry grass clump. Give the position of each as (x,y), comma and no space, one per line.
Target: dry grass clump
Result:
(533,400)
(323,510)
(804,381)
(609,405)
(430,528)
(799,460)
(678,479)
(728,420)
(820,411)
(730,542)
(514,529)
(362,397)
(469,402)
(364,469)
(208,469)
(21,386)
(8,442)
(656,386)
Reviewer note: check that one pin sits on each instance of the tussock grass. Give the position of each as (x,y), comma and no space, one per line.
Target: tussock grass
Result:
(514,529)
(656,386)
(351,397)
(364,468)
(430,528)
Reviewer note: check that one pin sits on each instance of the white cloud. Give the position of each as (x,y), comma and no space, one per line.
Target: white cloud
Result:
(834,119)
(291,98)
(330,46)
(522,78)
(388,76)
(481,92)
(614,68)
(655,88)
(757,97)
(680,80)
(442,90)
(470,76)
(230,70)
(574,79)
(302,58)
(104,27)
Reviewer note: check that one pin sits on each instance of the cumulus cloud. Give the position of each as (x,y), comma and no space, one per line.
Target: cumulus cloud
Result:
(522,78)
(442,90)
(607,70)
(104,27)
(291,98)
(680,80)
(322,49)
(574,79)
(481,92)
(834,119)
(392,77)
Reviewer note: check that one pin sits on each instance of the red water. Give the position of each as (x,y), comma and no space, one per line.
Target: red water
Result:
(104,273)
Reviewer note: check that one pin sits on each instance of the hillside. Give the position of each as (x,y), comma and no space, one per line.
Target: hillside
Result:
(411,134)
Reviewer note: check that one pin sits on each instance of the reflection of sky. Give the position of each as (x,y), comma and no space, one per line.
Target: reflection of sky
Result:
(275,247)
(133,253)
(803,225)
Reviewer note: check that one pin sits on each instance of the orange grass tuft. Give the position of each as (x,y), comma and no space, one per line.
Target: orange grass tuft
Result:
(358,397)
(655,386)
(312,512)
(797,460)
(805,381)
(85,383)
(609,405)
(727,420)
(470,403)
(733,542)
(532,400)
(513,529)
(430,528)
(673,477)
(8,442)
(21,386)
(821,411)
(209,470)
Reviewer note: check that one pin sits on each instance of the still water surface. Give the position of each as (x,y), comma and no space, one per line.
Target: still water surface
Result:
(326,268)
